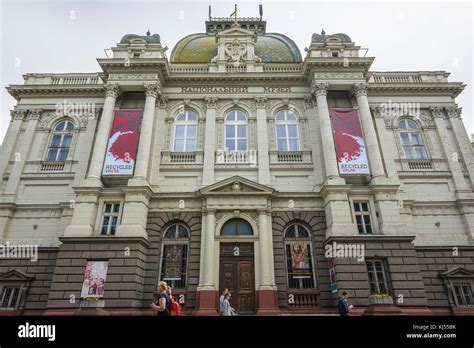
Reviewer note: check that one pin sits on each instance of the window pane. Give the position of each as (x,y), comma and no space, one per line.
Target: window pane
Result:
(67,141)
(171,232)
(356,206)
(282,145)
(181,117)
(230,131)
(56,141)
(112,230)
(63,155)
(191,132)
(405,138)
(243,228)
(411,124)
(416,139)
(60,126)
(280,116)
(402,124)
(108,208)
(52,155)
(69,126)
(242,131)
(420,152)
(116,208)
(364,207)
(241,116)
(179,133)
(292,131)
(368,229)
(242,145)
(182,232)
(192,116)
(281,132)
(291,231)
(230,146)
(408,153)
(179,145)
(291,117)
(190,145)
(294,145)
(230,116)
(114,220)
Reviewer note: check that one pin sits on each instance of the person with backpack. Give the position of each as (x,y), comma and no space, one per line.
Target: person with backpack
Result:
(175,308)
(343,305)
(163,303)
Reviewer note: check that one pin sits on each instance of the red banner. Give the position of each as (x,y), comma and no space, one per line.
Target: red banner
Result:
(123,143)
(351,152)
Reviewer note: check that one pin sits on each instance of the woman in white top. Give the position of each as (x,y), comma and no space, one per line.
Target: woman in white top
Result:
(227,310)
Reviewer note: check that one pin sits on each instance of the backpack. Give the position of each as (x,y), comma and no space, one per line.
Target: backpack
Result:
(175,308)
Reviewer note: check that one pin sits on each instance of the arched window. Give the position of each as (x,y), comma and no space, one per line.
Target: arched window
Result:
(174,261)
(60,141)
(287,131)
(236,227)
(236,130)
(185,132)
(299,260)
(411,139)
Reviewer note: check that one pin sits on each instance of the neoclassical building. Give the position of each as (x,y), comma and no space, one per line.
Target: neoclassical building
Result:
(234,162)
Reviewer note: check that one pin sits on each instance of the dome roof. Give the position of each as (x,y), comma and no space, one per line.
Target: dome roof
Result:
(270,47)
(155,38)
(321,38)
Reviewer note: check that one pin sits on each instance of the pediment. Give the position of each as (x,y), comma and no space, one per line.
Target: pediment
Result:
(15,276)
(236,185)
(236,31)
(457,272)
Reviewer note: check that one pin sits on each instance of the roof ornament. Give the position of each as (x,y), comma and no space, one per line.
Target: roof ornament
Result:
(323,32)
(260,10)
(148,32)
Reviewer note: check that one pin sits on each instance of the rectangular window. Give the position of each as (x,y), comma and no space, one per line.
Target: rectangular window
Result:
(10,297)
(463,295)
(377,277)
(362,217)
(299,276)
(110,218)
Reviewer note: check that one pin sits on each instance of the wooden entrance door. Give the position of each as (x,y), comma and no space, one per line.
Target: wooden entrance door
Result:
(237,274)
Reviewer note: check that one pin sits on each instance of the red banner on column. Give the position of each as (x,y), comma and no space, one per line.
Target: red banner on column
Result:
(123,143)
(349,141)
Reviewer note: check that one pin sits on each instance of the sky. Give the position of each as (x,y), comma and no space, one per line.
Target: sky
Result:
(52,36)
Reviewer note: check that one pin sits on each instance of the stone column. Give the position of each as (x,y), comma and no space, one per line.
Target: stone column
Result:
(262,142)
(313,125)
(23,152)
(102,136)
(370,136)
(9,141)
(207,295)
(134,212)
(267,294)
(159,141)
(319,89)
(209,142)
(140,177)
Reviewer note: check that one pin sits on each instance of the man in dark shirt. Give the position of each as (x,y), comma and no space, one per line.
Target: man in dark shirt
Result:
(343,305)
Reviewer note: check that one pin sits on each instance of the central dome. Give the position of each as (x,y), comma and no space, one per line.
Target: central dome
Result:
(270,47)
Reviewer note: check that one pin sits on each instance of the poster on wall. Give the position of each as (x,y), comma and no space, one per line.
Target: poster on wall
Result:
(123,143)
(173,255)
(351,152)
(300,260)
(332,275)
(95,276)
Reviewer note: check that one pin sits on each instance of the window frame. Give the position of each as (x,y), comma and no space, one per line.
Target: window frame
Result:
(235,124)
(111,214)
(186,124)
(173,241)
(286,123)
(62,133)
(455,296)
(411,146)
(309,241)
(386,280)
(17,300)
(372,213)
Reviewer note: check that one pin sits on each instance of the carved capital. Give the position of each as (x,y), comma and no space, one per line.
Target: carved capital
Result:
(34,114)
(152,90)
(260,101)
(18,114)
(162,102)
(453,111)
(319,88)
(309,101)
(112,90)
(211,102)
(360,89)
(436,111)
(376,111)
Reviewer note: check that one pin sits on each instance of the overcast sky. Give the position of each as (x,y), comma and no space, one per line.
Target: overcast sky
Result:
(41,36)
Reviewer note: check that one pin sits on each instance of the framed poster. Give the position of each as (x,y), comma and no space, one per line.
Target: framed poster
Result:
(95,277)
(351,153)
(123,143)
(300,260)
(332,275)
(173,256)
